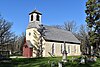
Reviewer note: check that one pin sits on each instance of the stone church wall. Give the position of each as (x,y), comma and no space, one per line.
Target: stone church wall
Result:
(72,49)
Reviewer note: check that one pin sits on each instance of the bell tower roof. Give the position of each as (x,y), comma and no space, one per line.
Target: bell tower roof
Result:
(35,11)
(34,19)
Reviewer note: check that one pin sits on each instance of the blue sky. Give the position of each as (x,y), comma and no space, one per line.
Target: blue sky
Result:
(53,12)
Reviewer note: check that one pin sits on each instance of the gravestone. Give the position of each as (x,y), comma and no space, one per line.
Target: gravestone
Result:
(82,61)
(64,57)
(95,58)
(59,64)
(52,64)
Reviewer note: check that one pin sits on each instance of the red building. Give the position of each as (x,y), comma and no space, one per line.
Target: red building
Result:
(27,49)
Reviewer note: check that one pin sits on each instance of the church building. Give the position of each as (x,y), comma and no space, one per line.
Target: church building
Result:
(53,39)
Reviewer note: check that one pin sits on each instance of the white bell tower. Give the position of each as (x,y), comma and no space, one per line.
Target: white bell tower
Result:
(35,16)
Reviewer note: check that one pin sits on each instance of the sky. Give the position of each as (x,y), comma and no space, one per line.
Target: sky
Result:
(54,12)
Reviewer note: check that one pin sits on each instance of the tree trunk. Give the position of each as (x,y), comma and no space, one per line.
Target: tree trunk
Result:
(90,50)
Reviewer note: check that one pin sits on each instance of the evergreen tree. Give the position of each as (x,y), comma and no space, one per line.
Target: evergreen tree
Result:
(93,22)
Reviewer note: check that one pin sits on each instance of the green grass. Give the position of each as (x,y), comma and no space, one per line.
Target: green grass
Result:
(46,62)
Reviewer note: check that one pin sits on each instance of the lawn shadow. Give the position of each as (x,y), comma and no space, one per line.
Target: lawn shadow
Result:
(45,62)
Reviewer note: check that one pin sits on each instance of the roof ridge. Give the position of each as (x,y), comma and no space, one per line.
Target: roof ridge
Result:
(58,28)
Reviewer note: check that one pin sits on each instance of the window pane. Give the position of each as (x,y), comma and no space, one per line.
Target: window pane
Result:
(52,49)
(37,18)
(31,17)
(68,48)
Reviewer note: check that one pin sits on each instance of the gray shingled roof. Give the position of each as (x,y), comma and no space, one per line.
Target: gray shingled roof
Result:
(29,43)
(33,25)
(55,34)
(59,35)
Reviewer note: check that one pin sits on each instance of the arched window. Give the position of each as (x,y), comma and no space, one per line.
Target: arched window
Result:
(74,49)
(37,17)
(68,48)
(53,49)
(61,48)
(29,33)
(31,17)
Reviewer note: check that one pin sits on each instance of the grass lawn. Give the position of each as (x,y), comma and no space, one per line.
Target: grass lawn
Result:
(45,62)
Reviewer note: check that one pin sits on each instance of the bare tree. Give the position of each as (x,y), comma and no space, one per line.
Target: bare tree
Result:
(18,44)
(7,37)
(41,30)
(22,41)
(82,35)
(70,26)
